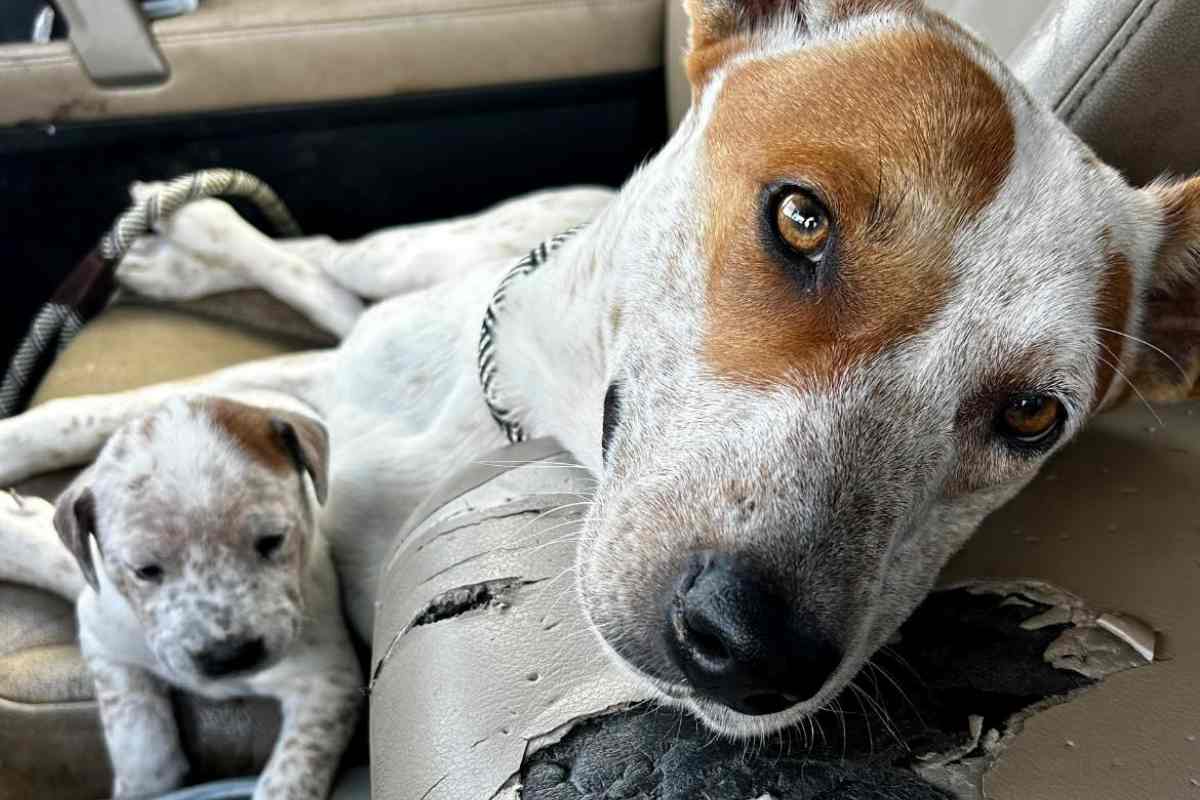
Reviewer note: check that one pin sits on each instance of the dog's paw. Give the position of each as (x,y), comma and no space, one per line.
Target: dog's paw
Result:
(156,782)
(156,267)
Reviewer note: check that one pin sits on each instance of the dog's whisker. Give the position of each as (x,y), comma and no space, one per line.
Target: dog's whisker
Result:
(542,515)
(878,668)
(527,464)
(546,586)
(884,717)
(836,706)
(894,654)
(858,695)
(519,542)
(1134,387)
(1144,343)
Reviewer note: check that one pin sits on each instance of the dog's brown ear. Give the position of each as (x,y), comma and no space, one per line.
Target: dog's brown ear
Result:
(307,443)
(75,521)
(720,28)
(1169,368)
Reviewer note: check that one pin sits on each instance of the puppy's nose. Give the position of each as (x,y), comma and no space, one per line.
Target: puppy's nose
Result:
(739,642)
(229,656)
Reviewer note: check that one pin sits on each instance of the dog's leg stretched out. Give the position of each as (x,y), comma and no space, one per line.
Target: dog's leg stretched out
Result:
(30,551)
(207,248)
(70,431)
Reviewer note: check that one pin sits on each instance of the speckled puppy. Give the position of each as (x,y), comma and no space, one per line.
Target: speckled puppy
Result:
(198,564)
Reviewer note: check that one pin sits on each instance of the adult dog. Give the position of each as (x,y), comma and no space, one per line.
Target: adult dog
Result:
(863,293)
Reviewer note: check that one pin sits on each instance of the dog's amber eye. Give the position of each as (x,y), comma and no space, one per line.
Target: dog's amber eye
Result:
(803,224)
(149,573)
(1031,419)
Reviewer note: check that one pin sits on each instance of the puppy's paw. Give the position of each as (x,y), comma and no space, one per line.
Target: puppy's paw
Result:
(157,780)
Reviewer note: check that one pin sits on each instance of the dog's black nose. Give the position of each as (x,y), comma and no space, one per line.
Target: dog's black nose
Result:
(739,643)
(229,656)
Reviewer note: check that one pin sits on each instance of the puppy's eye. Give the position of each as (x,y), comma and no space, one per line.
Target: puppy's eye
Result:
(149,573)
(267,546)
(612,412)
(803,225)
(1031,420)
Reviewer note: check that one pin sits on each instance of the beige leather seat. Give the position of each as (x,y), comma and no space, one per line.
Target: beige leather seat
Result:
(1112,520)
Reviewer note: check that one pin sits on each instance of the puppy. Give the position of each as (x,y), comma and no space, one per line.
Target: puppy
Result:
(198,565)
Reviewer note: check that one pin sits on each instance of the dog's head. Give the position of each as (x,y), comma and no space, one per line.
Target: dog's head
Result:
(202,521)
(872,288)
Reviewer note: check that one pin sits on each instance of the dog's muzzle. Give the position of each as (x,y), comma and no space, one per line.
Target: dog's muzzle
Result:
(230,656)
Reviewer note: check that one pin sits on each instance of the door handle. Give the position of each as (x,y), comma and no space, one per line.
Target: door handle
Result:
(113,42)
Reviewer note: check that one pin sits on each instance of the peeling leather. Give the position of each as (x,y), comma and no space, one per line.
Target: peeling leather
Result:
(520,701)
(499,593)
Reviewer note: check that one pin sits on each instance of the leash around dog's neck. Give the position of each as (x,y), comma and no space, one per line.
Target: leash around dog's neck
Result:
(504,415)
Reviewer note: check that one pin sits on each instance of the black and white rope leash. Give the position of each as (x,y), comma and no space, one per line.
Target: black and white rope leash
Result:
(505,417)
(88,289)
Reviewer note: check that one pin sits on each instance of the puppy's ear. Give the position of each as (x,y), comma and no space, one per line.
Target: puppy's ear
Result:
(75,521)
(721,28)
(1167,370)
(307,443)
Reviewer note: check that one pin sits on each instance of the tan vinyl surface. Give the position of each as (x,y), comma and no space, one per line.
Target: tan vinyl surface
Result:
(1115,519)
(129,346)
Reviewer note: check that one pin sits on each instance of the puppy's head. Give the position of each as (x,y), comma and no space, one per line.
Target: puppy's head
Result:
(201,517)
(878,288)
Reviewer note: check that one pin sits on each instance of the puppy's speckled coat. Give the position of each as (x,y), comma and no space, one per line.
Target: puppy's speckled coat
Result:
(194,528)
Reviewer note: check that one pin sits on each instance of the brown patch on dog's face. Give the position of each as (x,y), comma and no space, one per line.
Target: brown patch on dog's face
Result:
(707,56)
(1112,315)
(251,428)
(904,139)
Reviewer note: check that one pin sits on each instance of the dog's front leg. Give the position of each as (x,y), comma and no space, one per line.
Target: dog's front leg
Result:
(409,258)
(139,727)
(318,720)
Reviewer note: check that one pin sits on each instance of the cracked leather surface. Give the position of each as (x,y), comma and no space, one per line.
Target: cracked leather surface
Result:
(486,677)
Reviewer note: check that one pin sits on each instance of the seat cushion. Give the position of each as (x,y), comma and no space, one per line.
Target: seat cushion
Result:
(137,343)
(1115,518)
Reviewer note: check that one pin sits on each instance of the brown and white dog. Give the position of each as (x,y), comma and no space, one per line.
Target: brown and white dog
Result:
(194,557)
(863,293)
